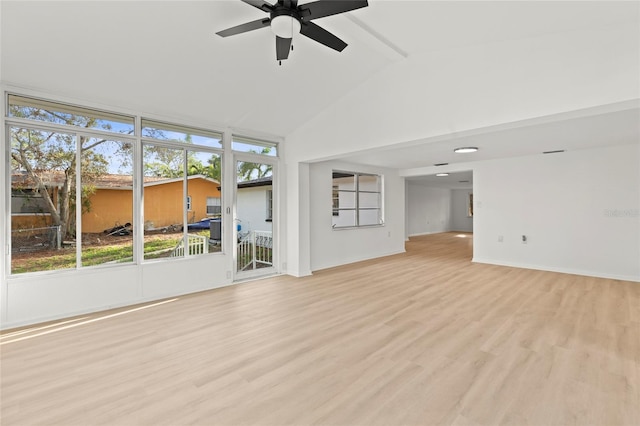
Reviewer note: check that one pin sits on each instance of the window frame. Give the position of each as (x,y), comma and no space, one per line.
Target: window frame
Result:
(131,136)
(269,196)
(357,208)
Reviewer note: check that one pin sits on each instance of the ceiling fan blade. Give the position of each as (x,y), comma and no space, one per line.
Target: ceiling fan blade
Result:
(262,5)
(322,8)
(283,46)
(323,36)
(249,26)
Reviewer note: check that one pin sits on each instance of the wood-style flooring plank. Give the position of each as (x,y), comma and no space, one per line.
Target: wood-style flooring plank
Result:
(421,338)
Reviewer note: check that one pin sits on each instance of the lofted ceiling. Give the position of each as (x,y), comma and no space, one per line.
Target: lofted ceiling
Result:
(162,58)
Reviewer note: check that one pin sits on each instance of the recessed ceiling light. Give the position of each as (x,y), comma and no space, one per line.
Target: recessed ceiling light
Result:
(465,149)
(442,174)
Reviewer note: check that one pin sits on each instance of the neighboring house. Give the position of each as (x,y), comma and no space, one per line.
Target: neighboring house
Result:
(163,200)
(255,204)
(112,202)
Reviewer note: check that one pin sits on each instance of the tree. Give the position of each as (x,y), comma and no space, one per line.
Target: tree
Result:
(48,159)
(169,162)
(250,171)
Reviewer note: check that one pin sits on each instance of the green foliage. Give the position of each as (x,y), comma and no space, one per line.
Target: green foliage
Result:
(249,171)
(48,159)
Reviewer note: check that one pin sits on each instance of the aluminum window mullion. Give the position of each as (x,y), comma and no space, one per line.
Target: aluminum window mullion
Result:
(252,157)
(78,212)
(185,202)
(65,128)
(138,197)
(181,145)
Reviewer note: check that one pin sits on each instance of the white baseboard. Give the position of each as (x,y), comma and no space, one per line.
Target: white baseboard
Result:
(559,270)
(427,233)
(356,259)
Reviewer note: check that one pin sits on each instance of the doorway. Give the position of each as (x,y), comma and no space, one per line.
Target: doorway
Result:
(255,213)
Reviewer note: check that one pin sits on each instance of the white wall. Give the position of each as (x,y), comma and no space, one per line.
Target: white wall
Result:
(46,296)
(252,208)
(579,210)
(331,247)
(429,209)
(460,219)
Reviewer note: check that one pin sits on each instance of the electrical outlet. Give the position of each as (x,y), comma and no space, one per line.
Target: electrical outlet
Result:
(500,238)
(524,239)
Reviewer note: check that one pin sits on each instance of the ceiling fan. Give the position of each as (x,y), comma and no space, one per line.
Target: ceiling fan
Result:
(287,18)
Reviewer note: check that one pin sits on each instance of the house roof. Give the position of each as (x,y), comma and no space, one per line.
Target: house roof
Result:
(265,181)
(53,178)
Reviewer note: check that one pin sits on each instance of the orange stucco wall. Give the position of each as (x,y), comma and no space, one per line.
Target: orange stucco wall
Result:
(27,221)
(199,190)
(35,220)
(109,207)
(163,203)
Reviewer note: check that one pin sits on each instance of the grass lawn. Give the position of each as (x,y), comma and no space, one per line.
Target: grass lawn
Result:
(98,255)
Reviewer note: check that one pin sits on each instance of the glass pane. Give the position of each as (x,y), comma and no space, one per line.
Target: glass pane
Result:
(253,172)
(177,133)
(346,200)
(369,183)
(203,188)
(369,200)
(164,201)
(344,218)
(344,181)
(253,222)
(43,186)
(107,202)
(369,217)
(53,112)
(254,146)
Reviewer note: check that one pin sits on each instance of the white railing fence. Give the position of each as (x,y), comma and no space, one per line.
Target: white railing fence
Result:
(197,244)
(255,250)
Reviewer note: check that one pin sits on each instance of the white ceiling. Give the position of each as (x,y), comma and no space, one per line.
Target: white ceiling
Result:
(162,58)
(517,139)
(455,180)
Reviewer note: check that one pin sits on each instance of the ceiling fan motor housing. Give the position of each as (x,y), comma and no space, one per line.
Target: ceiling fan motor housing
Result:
(285,21)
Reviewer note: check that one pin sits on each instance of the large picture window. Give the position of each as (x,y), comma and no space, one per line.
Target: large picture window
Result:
(73,181)
(356,199)
(43,189)
(180,186)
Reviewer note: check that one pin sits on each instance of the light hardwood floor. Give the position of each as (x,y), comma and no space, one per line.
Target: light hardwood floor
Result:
(419,338)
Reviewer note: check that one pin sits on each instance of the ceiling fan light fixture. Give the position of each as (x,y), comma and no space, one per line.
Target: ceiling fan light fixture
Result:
(442,174)
(285,26)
